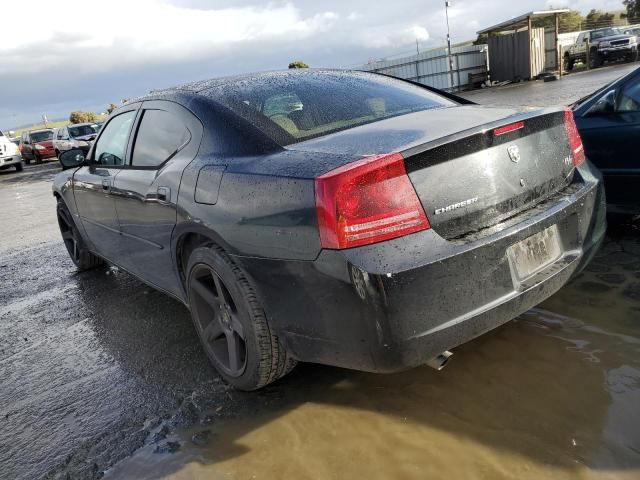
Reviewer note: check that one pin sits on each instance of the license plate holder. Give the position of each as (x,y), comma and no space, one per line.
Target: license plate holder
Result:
(534,253)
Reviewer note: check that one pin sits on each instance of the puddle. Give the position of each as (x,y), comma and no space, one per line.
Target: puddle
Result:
(553,394)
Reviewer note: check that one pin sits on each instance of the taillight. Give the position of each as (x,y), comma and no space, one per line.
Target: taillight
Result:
(367,201)
(575,142)
(508,128)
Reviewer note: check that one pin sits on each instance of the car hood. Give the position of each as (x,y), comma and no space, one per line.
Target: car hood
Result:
(87,138)
(46,143)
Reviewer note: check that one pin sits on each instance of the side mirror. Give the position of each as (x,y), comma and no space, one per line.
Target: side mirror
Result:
(72,158)
(605,106)
(585,39)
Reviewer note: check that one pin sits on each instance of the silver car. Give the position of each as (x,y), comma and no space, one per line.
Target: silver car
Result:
(79,135)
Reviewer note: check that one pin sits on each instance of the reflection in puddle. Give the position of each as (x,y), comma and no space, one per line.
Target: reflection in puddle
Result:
(554,394)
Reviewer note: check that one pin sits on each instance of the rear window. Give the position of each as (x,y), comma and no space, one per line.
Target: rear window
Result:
(293,106)
(82,130)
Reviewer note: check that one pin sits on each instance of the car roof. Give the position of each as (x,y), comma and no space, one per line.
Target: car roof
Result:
(41,130)
(201,86)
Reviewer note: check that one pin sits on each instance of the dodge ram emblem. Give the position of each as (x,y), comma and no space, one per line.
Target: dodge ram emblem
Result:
(514,153)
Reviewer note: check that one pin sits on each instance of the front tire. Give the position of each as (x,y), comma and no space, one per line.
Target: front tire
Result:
(73,241)
(231,322)
(19,167)
(568,63)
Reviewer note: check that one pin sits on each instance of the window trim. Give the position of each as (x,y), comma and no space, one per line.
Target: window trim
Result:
(134,138)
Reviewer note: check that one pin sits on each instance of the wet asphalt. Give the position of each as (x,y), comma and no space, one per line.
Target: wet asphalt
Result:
(100,374)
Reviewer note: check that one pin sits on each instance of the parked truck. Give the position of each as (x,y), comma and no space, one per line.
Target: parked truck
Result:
(602,45)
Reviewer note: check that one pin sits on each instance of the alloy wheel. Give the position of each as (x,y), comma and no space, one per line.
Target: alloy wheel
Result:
(69,235)
(218,320)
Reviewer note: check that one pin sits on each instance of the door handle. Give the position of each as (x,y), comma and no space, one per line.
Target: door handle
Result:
(164,194)
(106,185)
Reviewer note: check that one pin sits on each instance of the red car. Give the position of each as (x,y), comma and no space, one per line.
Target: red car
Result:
(37,145)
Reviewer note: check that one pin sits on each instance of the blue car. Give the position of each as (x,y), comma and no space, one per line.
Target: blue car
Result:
(609,123)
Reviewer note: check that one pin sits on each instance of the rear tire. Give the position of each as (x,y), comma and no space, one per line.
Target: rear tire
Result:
(19,167)
(73,241)
(27,161)
(231,322)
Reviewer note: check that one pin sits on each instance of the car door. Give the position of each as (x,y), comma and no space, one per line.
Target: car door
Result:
(93,184)
(612,141)
(146,192)
(26,147)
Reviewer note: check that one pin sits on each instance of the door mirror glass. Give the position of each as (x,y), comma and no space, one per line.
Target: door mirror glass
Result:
(72,158)
(604,106)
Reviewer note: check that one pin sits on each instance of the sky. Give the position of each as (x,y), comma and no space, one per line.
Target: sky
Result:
(68,55)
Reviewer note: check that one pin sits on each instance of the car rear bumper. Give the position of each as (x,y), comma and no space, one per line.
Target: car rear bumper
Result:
(12,160)
(394,305)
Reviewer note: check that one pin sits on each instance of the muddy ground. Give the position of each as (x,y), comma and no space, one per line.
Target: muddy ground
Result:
(102,376)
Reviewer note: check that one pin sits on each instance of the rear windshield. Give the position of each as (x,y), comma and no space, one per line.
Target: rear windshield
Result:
(41,136)
(292,107)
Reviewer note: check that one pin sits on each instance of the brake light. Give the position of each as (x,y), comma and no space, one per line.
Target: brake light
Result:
(575,142)
(367,201)
(508,128)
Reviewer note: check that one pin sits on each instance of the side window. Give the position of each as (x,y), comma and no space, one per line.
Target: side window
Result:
(160,136)
(629,98)
(112,145)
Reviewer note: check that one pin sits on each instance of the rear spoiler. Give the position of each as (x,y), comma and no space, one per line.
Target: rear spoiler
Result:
(442,93)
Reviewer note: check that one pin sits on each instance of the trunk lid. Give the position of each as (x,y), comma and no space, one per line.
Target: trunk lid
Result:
(466,176)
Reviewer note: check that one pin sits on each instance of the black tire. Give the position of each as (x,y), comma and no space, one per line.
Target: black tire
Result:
(19,167)
(568,63)
(633,57)
(57,153)
(37,158)
(27,161)
(231,323)
(73,241)
(594,60)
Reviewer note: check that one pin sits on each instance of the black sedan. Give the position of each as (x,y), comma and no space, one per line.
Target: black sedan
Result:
(609,123)
(343,218)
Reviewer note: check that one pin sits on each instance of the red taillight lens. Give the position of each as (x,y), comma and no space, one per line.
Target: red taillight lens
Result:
(575,142)
(508,128)
(367,201)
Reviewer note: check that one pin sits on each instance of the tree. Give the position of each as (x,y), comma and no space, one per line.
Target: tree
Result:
(598,19)
(83,117)
(571,21)
(111,108)
(633,10)
(78,117)
(298,64)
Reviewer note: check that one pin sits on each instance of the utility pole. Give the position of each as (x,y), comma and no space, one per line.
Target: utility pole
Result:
(447,4)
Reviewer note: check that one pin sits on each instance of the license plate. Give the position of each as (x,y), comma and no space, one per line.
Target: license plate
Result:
(535,252)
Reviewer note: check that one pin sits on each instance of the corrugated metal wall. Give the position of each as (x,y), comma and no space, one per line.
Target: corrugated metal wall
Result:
(510,56)
(432,67)
(537,52)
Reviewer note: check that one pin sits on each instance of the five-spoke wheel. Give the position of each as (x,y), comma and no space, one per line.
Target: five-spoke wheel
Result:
(231,322)
(221,330)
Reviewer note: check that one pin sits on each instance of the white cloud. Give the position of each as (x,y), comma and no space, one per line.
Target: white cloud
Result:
(119,32)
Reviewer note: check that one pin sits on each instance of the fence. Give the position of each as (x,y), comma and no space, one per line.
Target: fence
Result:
(432,67)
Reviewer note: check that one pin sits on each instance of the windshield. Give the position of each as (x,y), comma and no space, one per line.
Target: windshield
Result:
(604,32)
(82,130)
(41,136)
(294,107)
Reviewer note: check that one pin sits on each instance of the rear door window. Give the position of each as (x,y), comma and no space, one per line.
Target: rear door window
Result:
(160,136)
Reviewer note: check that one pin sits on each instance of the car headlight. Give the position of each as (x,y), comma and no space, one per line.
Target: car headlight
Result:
(82,143)
(604,44)
(39,147)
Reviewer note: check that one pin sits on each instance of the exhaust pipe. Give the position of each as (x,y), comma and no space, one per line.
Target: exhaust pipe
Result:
(440,361)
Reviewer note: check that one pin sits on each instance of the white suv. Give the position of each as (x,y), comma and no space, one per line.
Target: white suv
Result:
(9,154)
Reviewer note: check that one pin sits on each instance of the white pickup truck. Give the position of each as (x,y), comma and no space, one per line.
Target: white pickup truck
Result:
(9,154)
